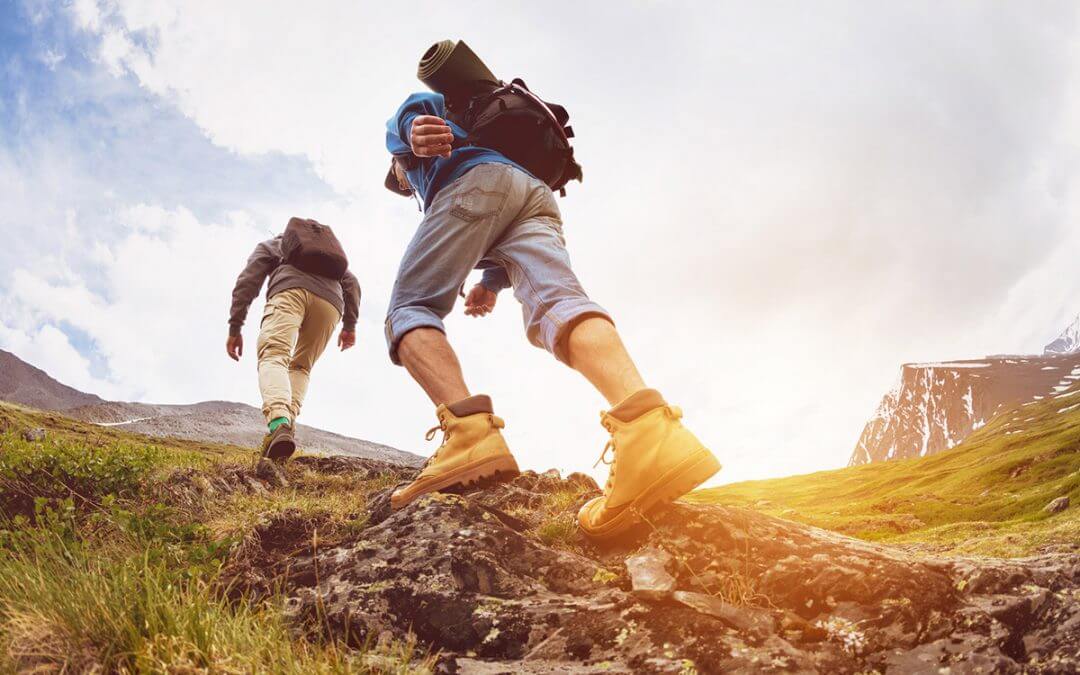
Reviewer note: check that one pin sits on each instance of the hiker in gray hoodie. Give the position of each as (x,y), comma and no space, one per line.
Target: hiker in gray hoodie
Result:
(298,321)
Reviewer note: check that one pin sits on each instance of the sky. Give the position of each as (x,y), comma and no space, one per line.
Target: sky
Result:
(783,202)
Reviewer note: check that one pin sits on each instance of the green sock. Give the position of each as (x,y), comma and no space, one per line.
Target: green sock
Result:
(277,422)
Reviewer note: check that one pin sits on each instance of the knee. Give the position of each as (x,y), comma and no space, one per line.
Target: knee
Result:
(551,329)
(418,341)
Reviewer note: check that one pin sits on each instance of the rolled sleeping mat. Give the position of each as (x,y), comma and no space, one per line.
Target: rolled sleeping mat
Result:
(451,68)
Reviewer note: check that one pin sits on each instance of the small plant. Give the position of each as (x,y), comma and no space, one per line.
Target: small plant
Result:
(561,530)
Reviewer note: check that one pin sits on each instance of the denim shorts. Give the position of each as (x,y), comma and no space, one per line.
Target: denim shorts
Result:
(496,215)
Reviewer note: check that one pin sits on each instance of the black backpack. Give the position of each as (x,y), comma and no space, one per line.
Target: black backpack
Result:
(312,247)
(528,131)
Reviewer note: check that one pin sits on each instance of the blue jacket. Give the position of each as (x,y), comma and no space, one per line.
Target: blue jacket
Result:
(435,173)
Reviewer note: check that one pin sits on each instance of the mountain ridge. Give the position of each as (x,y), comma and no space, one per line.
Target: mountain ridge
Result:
(936,405)
(227,422)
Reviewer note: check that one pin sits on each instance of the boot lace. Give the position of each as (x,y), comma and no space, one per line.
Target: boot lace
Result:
(609,447)
(675,412)
(496,422)
(441,426)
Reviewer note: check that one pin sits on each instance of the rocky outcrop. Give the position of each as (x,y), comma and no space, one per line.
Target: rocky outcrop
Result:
(1068,342)
(728,590)
(935,406)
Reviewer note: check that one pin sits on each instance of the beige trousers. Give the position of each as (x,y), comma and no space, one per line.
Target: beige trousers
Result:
(296,327)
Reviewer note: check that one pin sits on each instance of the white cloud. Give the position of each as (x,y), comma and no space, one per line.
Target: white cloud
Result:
(87,14)
(49,345)
(158,315)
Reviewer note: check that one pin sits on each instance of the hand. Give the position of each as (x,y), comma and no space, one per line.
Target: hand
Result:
(346,339)
(480,301)
(431,137)
(234,347)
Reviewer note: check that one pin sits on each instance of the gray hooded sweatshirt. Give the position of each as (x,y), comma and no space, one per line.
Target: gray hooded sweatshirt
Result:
(266,262)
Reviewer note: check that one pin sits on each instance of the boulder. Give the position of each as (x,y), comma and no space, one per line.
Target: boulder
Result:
(1058,505)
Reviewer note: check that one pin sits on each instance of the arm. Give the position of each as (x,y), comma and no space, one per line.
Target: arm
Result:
(350,291)
(262,261)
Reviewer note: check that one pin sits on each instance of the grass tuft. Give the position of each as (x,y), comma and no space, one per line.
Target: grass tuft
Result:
(100,572)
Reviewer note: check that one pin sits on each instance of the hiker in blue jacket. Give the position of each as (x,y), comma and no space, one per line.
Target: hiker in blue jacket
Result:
(482,210)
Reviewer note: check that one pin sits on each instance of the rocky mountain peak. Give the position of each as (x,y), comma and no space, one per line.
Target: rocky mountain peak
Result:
(935,406)
(1068,342)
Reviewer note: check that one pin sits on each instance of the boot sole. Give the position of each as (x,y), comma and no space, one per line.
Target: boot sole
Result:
(676,482)
(280,451)
(501,466)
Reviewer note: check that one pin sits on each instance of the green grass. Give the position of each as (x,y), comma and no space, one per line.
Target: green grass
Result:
(100,573)
(986,496)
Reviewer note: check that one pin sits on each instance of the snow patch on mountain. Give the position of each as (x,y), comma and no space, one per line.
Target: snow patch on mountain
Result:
(1068,342)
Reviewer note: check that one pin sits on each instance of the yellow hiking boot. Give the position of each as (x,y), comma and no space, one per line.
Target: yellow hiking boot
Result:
(473,449)
(655,460)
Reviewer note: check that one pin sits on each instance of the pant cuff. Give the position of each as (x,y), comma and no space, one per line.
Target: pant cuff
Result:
(558,335)
(276,411)
(402,321)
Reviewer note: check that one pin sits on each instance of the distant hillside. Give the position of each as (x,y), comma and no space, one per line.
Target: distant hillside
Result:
(986,495)
(211,421)
(26,385)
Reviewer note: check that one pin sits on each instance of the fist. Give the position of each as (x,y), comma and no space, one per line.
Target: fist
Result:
(431,137)
(480,301)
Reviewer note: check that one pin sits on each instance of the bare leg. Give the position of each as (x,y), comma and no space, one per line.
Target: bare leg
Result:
(429,358)
(595,350)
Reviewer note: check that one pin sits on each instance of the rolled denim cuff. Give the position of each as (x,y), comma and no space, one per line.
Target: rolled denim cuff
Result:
(402,321)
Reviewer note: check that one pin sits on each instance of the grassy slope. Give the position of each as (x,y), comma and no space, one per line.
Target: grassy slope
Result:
(986,496)
(97,571)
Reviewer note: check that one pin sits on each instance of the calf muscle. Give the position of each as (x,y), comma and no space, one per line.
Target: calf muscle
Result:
(595,350)
(429,358)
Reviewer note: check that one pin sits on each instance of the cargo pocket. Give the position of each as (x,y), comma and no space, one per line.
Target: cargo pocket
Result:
(268,309)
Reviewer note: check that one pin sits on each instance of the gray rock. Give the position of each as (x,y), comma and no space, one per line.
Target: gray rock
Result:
(1058,505)
(468,576)
(33,435)
(648,573)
